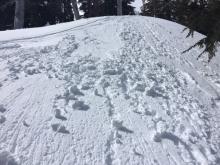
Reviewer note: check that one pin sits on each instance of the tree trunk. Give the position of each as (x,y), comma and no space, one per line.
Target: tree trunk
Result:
(89,8)
(75,10)
(119,7)
(19,14)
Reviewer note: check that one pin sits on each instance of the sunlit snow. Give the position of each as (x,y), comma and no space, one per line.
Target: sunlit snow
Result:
(108,90)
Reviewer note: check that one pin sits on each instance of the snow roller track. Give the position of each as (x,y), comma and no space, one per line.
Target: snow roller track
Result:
(116,92)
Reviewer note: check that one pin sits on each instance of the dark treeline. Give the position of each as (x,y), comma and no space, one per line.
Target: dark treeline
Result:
(37,13)
(198,15)
(42,12)
(94,8)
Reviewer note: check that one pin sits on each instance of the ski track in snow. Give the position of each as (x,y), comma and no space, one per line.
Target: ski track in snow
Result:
(118,91)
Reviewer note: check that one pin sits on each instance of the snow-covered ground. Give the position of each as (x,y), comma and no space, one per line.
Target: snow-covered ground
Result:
(109,90)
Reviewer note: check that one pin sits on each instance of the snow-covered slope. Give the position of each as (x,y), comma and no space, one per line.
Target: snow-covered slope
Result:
(110,90)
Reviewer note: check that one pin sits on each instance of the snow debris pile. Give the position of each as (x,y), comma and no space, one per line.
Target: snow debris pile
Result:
(109,90)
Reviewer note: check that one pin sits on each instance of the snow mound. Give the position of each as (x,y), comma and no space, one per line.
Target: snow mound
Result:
(109,90)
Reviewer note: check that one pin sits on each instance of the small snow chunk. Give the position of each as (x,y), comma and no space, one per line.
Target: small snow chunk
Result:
(119,126)
(140,87)
(71,97)
(217,82)
(20,89)
(15,69)
(50,76)
(2,109)
(150,112)
(96,92)
(156,92)
(58,115)
(80,105)
(112,72)
(2,119)
(76,91)
(137,153)
(157,137)
(59,128)
(91,67)
(32,71)
(26,124)
(104,83)
(85,87)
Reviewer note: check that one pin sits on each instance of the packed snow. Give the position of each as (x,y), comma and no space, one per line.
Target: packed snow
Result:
(108,90)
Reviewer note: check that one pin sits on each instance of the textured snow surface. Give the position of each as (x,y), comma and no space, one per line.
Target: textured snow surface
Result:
(110,90)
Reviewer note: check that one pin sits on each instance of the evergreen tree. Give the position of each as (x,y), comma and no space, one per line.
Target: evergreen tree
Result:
(94,8)
(37,13)
(159,8)
(42,12)
(67,11)
(110,7)
(181,11)
(91,8)
(205,17)
(7,11)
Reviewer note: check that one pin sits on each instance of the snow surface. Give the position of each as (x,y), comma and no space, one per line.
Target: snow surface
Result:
(109,90)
